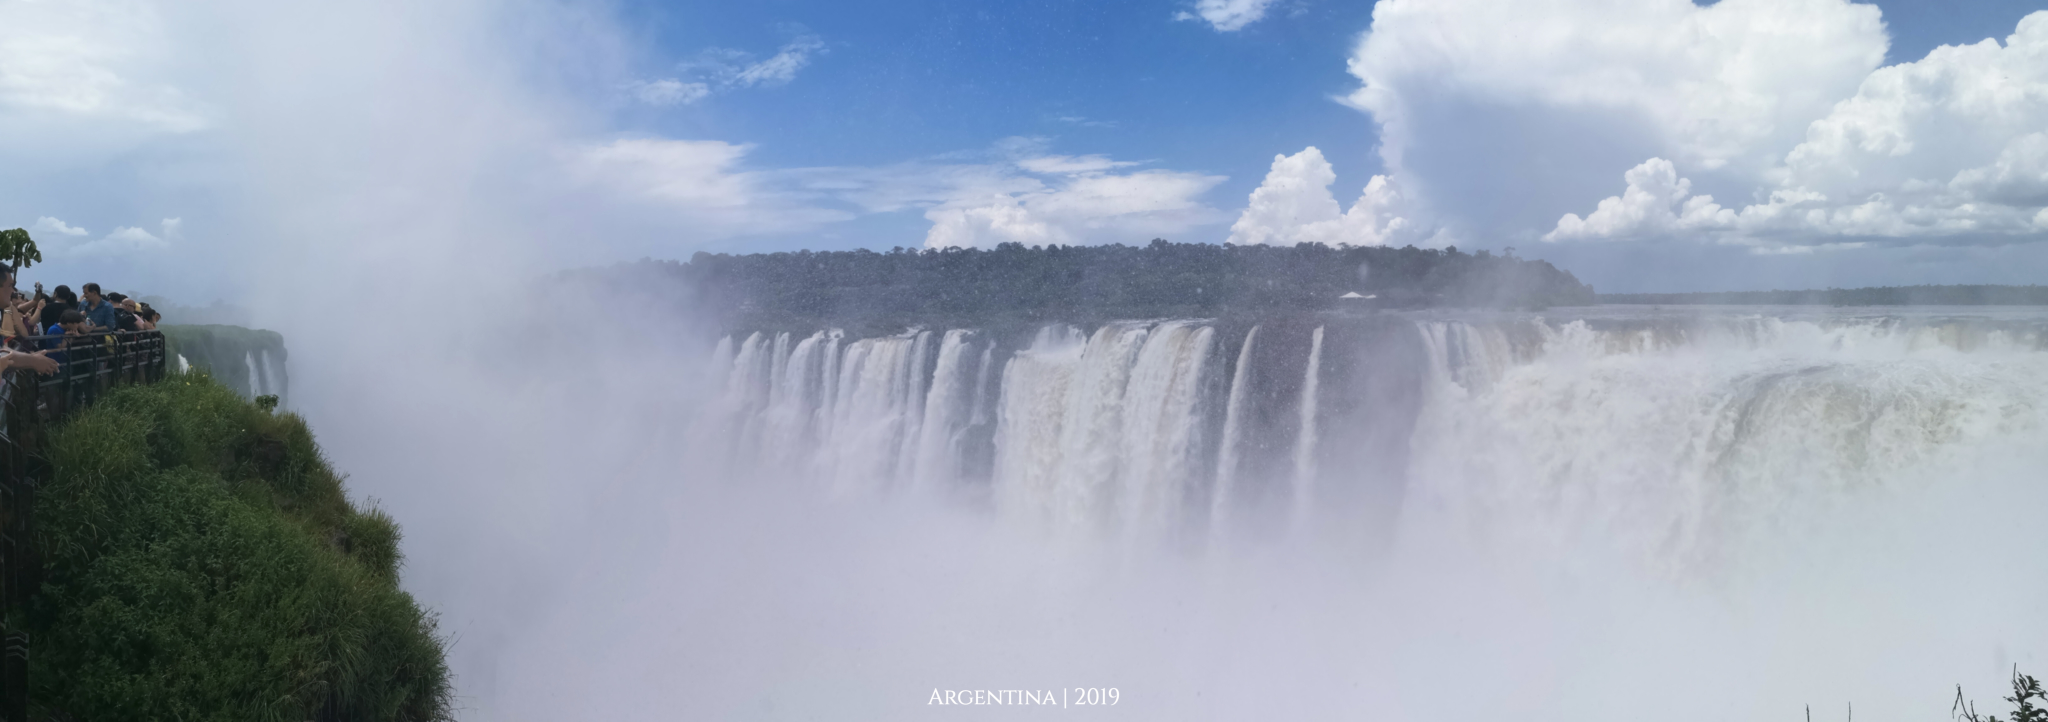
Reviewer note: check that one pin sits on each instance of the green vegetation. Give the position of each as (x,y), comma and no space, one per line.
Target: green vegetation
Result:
(960,286)
(17,250)
(225,352)
(203,562)
(1882,296)
(2025,691)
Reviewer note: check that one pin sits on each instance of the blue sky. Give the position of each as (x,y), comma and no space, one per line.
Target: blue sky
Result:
(1645,144)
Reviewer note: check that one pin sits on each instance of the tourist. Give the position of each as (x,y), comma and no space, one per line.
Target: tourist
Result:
(124,312)
(61,300)
(98,312)
(16,331)
(13,326)
(136,315)
(70,327)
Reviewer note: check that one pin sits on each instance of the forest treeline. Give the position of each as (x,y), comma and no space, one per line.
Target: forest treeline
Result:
(1013,282)
(1878,296)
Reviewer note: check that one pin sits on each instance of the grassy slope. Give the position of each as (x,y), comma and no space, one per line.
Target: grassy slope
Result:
(202,562)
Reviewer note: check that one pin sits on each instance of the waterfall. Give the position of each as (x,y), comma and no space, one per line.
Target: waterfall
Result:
(1029,418)
(876,415)
(1233,433)
(254,361)
(1305,444)
(1669,432)
(1160,478)
(949,409)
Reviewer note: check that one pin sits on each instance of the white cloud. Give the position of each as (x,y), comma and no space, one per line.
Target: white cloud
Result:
(1731,83)
(668,91)
(1016,191)
(1084,122)
(1227,15)
(93,60)
(1077,209)
(1013,191)
(1071,164)
(123,241)
(1948,146)
(689,173)
(781,68)
(1520,106)
(53,225)
(1657,201)
(720,69)
(173,229)
(1294,205)
(697,183)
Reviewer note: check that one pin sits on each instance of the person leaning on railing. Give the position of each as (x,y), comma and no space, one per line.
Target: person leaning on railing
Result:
(69,331)
(14,333)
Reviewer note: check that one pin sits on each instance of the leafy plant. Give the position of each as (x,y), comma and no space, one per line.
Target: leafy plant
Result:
(2025,691)
(17,250)
(203,562)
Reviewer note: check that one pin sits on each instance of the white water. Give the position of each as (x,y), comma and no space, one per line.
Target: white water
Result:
(1664,438)
(1230,453)
(1305,444)
(1568,518)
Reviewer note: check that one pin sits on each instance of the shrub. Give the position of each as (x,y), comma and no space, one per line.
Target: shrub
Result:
(202,562)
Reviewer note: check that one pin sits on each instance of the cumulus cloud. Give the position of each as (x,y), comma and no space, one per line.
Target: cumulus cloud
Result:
(1090,208)
(58,226)
(1294,205)
(1657,201)
(1016,191)
(1505,115)
(1227,15)
(1779,101)
(1947,146)
(1711,86)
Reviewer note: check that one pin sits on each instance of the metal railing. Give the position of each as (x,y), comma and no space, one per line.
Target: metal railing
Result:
(87,366)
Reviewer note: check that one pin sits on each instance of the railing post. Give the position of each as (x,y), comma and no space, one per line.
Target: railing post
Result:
(20,436)
(24,414)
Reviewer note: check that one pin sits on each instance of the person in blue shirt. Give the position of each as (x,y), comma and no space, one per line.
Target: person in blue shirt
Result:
(98,311)
(70,327)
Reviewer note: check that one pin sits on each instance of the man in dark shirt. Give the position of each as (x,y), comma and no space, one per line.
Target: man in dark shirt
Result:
(98,312)
(124,312)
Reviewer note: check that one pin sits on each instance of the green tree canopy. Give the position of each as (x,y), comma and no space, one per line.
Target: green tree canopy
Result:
(17,250)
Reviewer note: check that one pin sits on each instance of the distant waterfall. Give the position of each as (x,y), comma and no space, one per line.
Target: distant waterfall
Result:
(1230,449)
(1669,431)
(1305,444)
